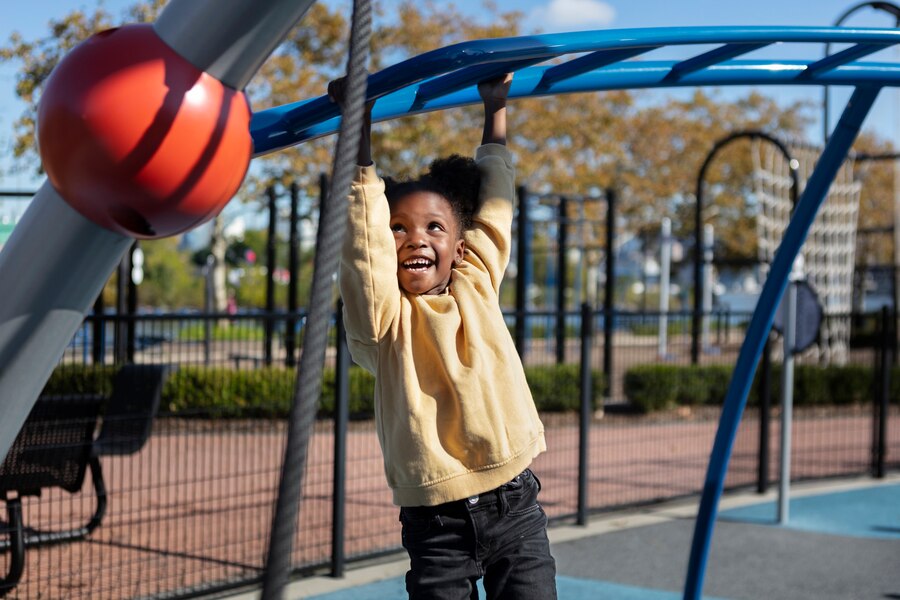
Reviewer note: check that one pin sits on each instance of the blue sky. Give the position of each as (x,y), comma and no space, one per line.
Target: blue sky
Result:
(31,18)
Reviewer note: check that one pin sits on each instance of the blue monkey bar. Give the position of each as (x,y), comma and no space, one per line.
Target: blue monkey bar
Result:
(446,78)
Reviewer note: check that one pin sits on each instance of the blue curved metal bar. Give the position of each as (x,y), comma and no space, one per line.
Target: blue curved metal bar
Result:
(269,133)
(736,397)
(287,125)
(422,84)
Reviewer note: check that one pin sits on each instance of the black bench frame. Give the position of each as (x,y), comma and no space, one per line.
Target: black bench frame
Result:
(56,446)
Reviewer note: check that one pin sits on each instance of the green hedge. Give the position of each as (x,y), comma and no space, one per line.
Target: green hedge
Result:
(76,379)
(264,392)
(267,392)
(556,388)
(660,387)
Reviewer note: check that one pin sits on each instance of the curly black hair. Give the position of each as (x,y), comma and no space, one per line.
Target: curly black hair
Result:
(455,178)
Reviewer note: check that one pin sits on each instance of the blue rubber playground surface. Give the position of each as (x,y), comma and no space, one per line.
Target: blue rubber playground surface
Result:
(872,512)
(567,587)
(836,545)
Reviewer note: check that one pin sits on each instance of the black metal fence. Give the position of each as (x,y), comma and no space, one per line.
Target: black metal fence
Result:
(188,512)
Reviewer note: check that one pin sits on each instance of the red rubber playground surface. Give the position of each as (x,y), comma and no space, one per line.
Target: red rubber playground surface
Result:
(193,508)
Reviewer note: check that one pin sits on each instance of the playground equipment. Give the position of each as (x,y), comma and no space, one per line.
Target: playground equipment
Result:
(830,248)
(65,247)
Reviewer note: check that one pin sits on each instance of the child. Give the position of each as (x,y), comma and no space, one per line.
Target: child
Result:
(420,278)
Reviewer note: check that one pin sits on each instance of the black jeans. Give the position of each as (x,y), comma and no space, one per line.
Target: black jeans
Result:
(500,535)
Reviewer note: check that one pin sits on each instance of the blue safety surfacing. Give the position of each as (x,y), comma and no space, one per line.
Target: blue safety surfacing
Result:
(864,513)
(568,588)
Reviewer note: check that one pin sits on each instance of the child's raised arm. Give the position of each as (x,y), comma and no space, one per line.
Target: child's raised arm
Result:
(337,92)
(493,94)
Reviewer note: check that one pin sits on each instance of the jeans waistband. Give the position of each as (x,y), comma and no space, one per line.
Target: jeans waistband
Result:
(493,496)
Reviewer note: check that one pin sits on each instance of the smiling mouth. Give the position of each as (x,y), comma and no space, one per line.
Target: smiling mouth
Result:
(418,265)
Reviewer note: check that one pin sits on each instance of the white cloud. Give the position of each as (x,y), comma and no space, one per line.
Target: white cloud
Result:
(572,15)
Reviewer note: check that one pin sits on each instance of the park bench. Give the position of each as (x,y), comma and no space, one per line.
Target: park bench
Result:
(239,359)
(57,445)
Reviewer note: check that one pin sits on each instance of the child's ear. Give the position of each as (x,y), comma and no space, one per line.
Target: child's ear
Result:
(460,252)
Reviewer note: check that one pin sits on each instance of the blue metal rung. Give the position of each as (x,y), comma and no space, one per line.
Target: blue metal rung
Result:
(841,58)
(583,64)
(713,57)
(463,78)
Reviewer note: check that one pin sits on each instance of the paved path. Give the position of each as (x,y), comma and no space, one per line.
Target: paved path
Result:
(642,555)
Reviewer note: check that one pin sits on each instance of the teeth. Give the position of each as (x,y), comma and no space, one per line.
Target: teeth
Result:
(417,263)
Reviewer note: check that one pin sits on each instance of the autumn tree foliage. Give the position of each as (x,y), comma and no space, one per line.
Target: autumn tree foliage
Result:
(646,145)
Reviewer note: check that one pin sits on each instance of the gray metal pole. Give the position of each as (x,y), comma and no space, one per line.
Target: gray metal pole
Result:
(708,242)
(56,263)
(665,260)
(787,391)
(58,259)
(229,39)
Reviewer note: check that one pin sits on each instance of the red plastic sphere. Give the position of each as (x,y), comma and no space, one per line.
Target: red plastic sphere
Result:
(137,139)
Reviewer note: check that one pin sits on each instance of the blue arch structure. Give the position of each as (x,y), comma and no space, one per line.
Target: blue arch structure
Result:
(446,78)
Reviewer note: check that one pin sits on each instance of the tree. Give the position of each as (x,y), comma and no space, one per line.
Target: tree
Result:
(38,58)
(170,281)
(648,149)
(876,203)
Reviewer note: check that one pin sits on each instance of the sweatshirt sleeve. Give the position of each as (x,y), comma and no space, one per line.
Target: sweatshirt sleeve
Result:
(368,275)
(488,242)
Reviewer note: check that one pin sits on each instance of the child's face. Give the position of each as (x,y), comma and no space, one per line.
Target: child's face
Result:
(428,242)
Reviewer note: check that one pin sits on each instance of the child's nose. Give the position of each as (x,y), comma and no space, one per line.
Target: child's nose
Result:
(416,239)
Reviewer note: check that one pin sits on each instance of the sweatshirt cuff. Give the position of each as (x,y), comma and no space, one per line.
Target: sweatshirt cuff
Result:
(499,150)
(366,175)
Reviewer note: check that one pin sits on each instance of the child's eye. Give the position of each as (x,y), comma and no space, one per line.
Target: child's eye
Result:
(397,228)
(436,226)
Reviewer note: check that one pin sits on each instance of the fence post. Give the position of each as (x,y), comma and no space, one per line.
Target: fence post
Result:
(268,331)
(561,280)
(523,254)
(131,300)
(120,340)
(879,438)
(98,337)
(764,394)
(208,307)
(341,417)
(609,291)
(290,332)
(584,421)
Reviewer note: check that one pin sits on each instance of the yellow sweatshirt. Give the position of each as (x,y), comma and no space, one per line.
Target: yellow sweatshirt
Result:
(453,411)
